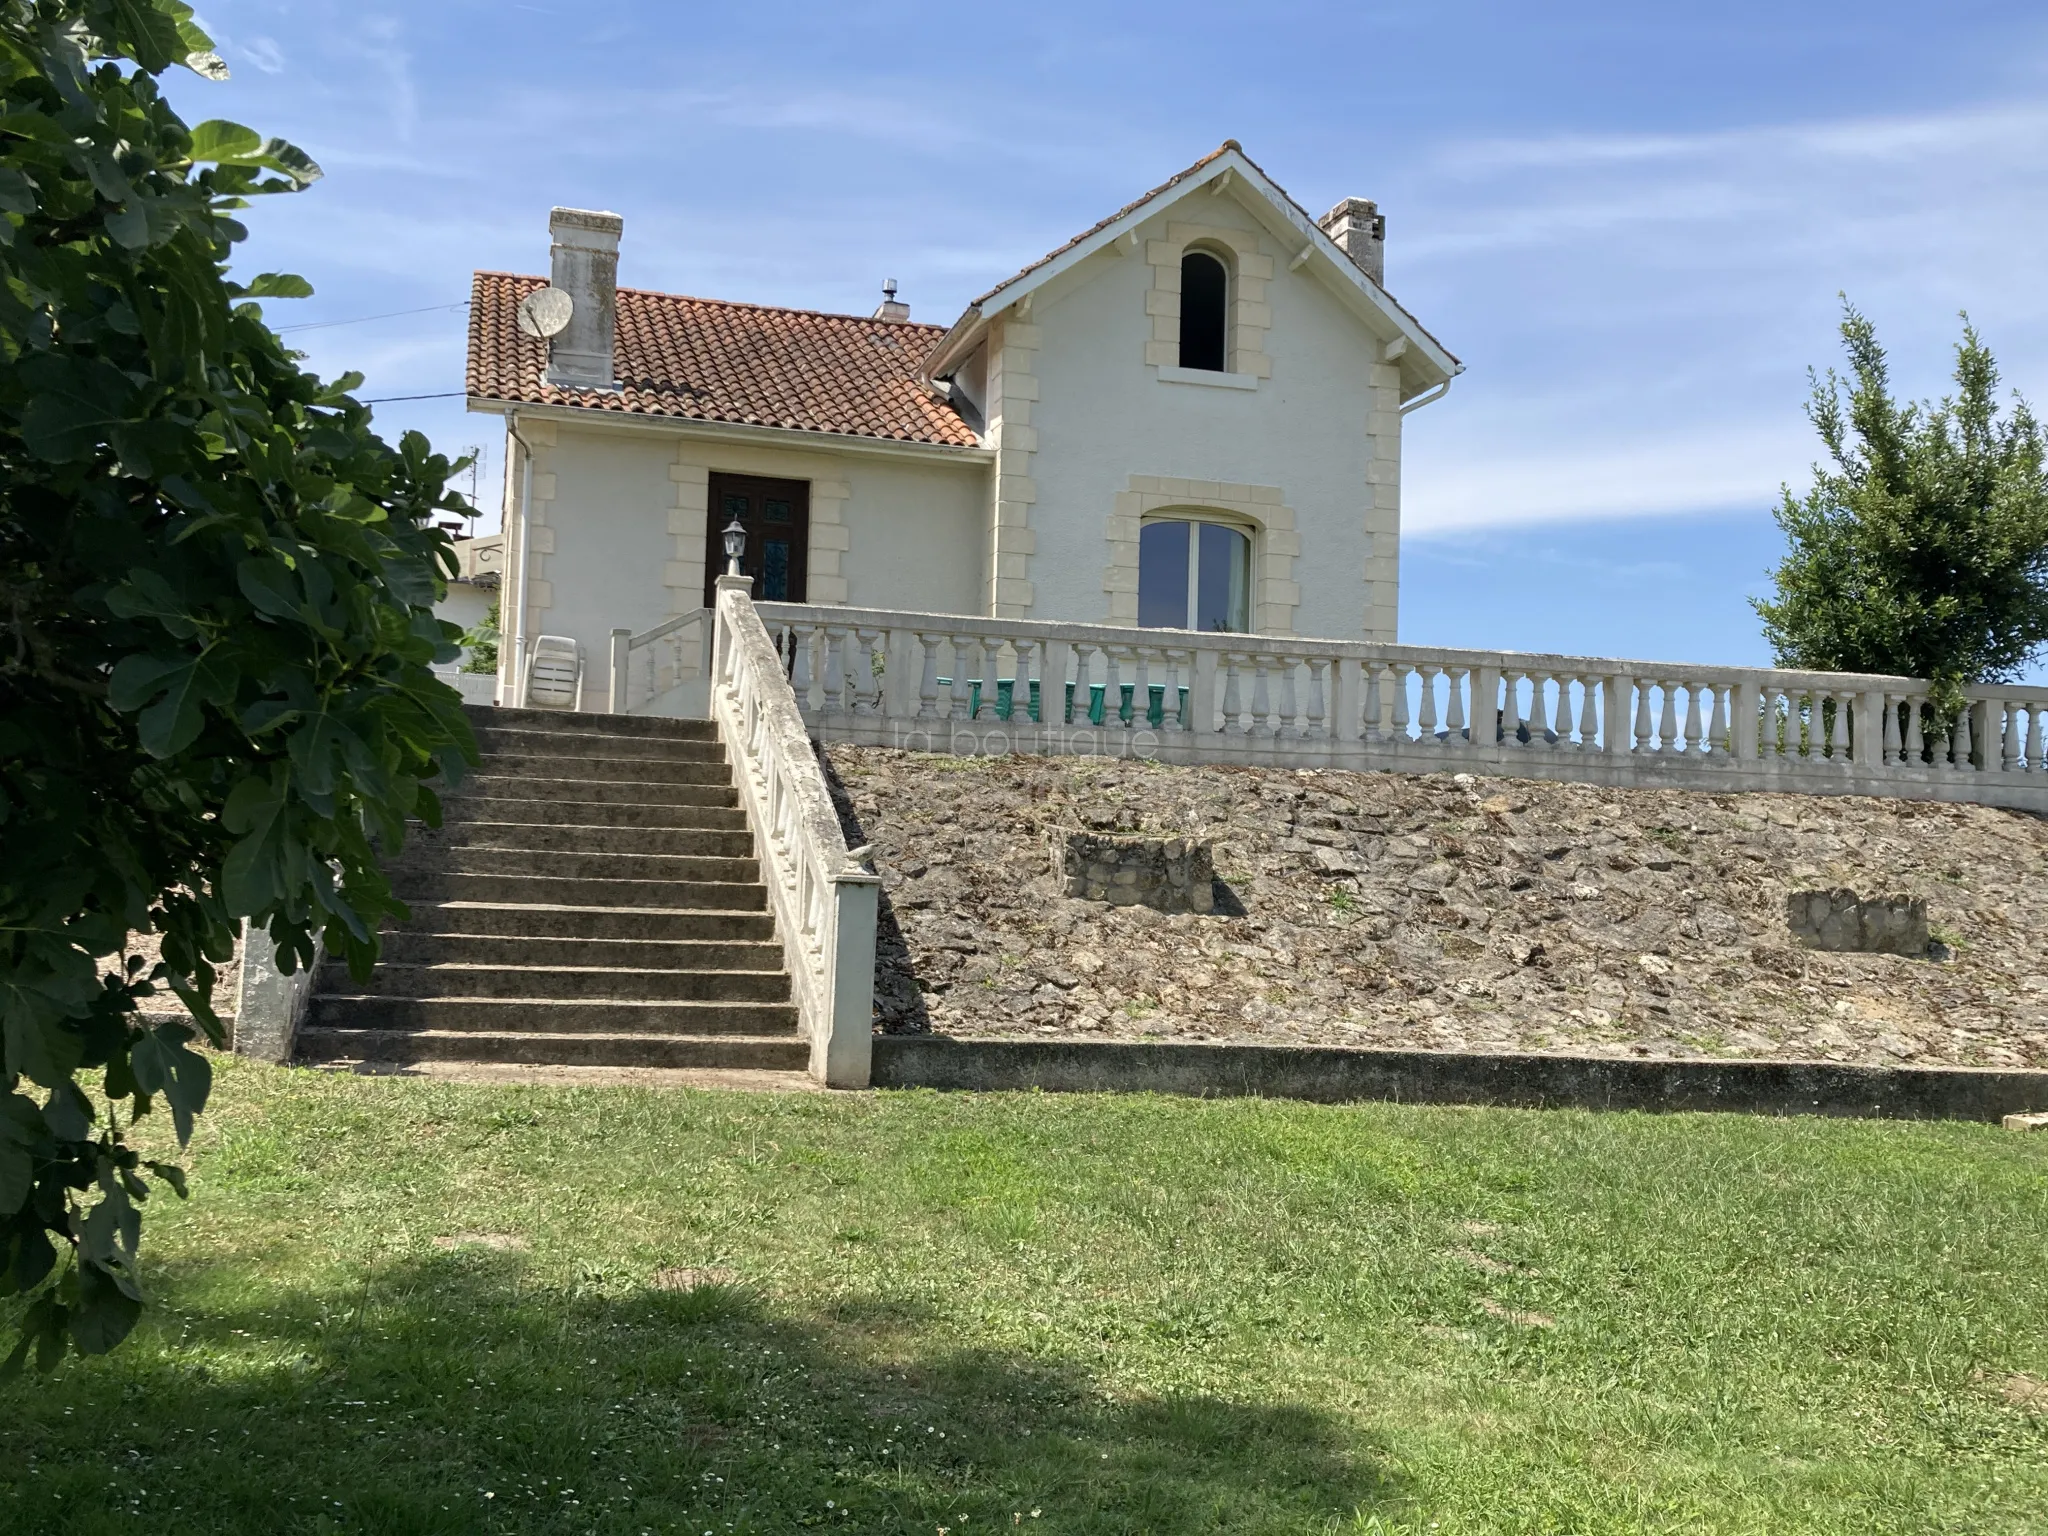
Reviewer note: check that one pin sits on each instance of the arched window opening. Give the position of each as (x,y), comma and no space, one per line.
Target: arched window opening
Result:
(1204,307)
(1194,575)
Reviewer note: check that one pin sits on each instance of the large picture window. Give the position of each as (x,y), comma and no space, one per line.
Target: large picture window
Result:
(1194,575)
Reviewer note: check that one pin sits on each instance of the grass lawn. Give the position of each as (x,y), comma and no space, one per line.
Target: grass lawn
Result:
(401,1306)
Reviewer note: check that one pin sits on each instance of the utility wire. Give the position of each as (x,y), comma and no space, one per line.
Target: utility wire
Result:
(321,325)
(446,394)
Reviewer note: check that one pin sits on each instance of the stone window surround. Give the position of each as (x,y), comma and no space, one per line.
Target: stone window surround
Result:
(1261,509)
(683,573)
(1251,316)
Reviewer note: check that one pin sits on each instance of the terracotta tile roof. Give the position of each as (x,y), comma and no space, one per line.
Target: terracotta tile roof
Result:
(709,360)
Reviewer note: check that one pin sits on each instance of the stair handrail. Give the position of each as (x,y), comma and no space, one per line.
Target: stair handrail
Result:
(625,643)
(823,895)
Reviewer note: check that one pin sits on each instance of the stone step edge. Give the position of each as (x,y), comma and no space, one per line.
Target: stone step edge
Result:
(1526,1080)
(450,967)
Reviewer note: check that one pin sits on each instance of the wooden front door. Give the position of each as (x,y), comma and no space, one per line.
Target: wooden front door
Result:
(777,517)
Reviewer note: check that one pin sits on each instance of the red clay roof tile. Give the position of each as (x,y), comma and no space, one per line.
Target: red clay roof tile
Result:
(710,360)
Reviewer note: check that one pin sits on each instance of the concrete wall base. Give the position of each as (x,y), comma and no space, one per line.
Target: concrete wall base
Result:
(1336,1075)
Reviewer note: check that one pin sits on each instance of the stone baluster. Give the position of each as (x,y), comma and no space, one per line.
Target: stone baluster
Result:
(1454,707)
(1318,668)
(1020,685)
(1289,728)
(2035,733)
(1718,740)
(1691,729)
(867,682)
(1172,711)
(1589,715)
(2013,743)
(833,673)
(1892,739)
(1645,731)
(800,665)
(1262,701)
(1959,738)
(1557,712)
(1427,717)
(1076,713)
(1397,685)
(928,683)
(1379,719)
(1838,728)
(1233,696)
(963,696)
(1112,687)
(1916,737)
(1667,719)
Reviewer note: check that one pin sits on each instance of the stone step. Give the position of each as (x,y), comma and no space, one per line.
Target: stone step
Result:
(559,837)
(534,983)
(550,1016)
(501,740)
(539,921)
(652,771)
(720,816)
(489,717)
(410,946)
(776,1053)
(429,857)
(487,785)
(442,885)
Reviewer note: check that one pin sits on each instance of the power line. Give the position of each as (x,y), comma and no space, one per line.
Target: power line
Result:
(446,394)
(321,325)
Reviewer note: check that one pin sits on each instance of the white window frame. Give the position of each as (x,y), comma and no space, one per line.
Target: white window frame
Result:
(1238,525)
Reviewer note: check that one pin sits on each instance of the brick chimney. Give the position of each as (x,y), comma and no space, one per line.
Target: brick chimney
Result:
(1360,230)
(586,267)
(890,308)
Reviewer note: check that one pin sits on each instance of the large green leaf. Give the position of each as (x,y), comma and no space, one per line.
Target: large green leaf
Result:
(74,405)
(224,143)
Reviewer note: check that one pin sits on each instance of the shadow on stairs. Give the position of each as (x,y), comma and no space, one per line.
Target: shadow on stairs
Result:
(591,907)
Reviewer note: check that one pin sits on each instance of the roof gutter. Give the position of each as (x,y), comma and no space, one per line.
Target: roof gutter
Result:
(737,432)
(1430,396)
(952,343)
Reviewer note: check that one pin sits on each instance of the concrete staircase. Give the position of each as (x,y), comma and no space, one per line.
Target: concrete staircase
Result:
(592,899)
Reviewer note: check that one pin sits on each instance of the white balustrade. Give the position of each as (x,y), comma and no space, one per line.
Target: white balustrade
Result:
(955,683)
(823,898)
(646,667)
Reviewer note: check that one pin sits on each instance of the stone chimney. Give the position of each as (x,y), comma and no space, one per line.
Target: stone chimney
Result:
(586,267)
(1360,230)
(889,308)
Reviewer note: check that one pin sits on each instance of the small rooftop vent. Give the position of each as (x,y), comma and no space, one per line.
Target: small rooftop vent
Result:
(890,308)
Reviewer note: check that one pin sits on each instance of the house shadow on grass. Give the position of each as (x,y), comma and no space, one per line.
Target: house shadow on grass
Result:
(453,1392)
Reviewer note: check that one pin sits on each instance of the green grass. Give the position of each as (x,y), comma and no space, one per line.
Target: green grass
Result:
(1057,1314)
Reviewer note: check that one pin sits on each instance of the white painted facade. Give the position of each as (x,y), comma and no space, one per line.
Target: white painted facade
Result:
(1088,428)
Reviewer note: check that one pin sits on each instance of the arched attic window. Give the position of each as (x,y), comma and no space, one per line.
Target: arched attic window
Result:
(1204,311)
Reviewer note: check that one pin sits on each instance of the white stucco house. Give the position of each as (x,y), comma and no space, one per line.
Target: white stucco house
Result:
(1188,416)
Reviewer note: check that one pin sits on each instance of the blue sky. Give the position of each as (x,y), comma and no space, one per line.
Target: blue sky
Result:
(1630,221)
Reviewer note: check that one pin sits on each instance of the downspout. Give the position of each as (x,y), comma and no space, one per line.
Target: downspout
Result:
(517,668)
(1428,396)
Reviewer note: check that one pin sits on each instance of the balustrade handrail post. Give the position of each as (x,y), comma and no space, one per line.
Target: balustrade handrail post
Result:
(1485,725)
(622,651)
(1347,699)
(1202,692)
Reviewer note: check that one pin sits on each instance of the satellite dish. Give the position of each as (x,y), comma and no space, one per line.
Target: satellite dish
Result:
(545,312)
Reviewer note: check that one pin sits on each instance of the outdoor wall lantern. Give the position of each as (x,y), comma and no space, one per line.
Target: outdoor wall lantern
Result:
(735,546)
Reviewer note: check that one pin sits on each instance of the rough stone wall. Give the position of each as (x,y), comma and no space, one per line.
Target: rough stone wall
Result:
(1448,913)
(1174,874)
(1872,925)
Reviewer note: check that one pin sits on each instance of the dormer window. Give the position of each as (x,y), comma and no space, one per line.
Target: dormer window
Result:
(1204,312)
